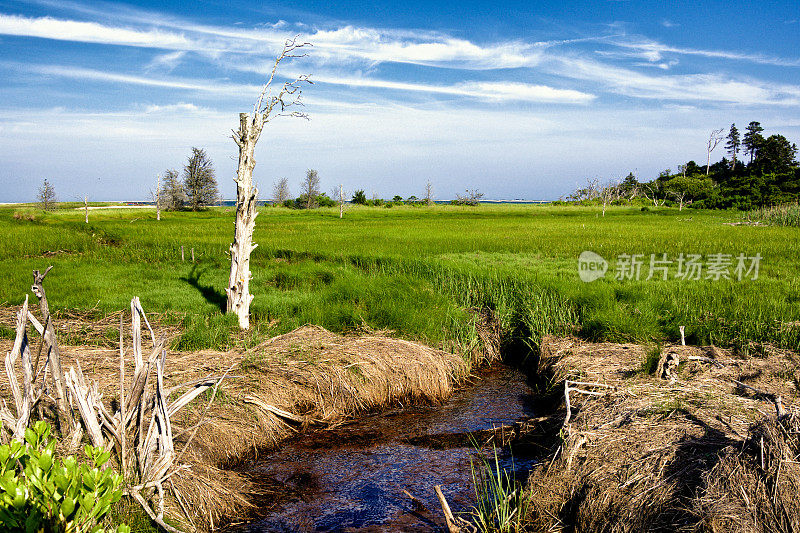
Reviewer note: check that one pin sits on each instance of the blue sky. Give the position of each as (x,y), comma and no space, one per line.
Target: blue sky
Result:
(517,99)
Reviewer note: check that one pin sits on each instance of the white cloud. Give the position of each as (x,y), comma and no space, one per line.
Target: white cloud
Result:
(714,88)
(655,49)
(166,61)
(89,32)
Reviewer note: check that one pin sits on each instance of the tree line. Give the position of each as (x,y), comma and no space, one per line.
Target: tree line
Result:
(756,171)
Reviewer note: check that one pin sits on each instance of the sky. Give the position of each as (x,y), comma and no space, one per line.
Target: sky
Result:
(520,100)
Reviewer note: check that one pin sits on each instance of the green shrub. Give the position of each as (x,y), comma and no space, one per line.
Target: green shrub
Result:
(44,493)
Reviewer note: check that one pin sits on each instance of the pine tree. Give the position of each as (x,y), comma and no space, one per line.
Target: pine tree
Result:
(199,181)
(752,139)
(733,144)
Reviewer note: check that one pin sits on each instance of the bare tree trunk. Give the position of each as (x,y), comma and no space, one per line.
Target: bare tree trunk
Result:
(341,201)
(86,207)
(238,290)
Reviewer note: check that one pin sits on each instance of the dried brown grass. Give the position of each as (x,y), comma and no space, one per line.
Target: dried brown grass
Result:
(307,377)
(650,455)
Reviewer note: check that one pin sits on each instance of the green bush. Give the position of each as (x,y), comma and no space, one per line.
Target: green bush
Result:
(43,493)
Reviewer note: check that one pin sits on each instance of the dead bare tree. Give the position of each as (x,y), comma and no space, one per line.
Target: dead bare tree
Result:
(280,191)
(267,107)
(86,208)
(590,192)
(428,193)
(713,140)
(609,193)
(681,197)
(652,191)
(471,197)
(309,188)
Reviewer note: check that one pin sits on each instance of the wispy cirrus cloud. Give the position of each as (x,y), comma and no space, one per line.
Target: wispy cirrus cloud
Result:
(656,50)
(716,88)
(485,91)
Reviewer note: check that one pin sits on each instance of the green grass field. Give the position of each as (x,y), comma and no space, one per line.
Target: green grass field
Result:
(419,271)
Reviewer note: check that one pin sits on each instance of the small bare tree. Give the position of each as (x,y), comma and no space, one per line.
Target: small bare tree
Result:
(610,193)
(46,196)
(86,208)
(428,193)
(652,191)
(713,140)
(472,197)
(590,192)
(267,107)
(280,191)
(310,188)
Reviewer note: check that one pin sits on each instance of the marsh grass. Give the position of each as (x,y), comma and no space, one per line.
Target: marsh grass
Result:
(419,272)
(501,507)
(779,215)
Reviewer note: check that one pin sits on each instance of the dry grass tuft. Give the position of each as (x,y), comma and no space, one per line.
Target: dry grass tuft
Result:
(654,455)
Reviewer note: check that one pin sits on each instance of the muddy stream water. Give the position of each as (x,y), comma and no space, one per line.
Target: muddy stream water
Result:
(352,478)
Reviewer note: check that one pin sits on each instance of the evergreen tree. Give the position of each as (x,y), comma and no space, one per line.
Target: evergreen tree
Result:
(776,154)
(733,144)
(199,181)
(752,139)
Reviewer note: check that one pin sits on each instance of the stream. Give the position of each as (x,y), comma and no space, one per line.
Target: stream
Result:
(353,478)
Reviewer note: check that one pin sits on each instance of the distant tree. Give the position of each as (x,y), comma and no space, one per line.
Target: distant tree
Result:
(412,200)
(428,193)
(733,144)
(776,154)
(611,192)
(46,198)
(654,191)
(472,197)
(199,181)
(309,189)
(590,192)
(359,197)
(397,198)
(713,140)
(629,188)
(280,191)
(752,139)
(686,190)
(173,196)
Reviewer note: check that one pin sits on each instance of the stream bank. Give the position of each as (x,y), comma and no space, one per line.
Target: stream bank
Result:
(361,476)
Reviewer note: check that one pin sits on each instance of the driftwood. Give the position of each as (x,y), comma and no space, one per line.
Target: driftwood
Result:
(65,416)
(140,431)
(450,521)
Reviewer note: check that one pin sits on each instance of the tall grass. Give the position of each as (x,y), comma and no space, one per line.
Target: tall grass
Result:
(500,504)
(779,215)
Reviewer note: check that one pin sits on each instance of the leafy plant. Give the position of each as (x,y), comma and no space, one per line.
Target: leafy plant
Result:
(43,493)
